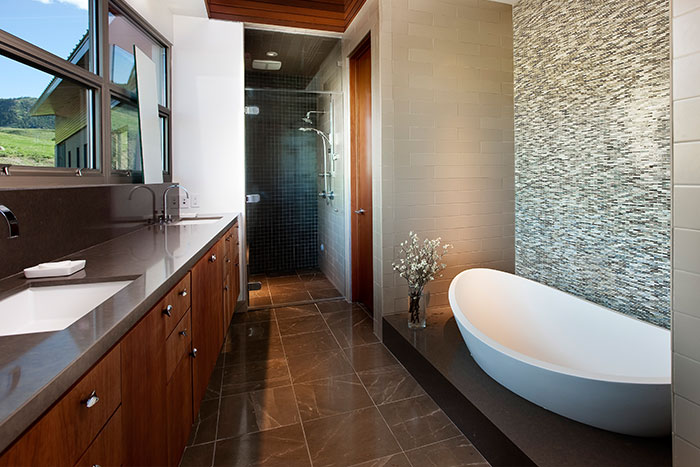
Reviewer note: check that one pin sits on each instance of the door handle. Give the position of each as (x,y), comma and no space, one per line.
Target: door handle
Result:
(360,211)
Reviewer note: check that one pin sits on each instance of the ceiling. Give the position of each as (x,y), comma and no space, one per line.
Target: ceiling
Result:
(301,55)
(326,15)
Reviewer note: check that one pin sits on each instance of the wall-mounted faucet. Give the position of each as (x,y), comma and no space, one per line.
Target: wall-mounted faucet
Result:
(165,218)
(12,221)
(154,219)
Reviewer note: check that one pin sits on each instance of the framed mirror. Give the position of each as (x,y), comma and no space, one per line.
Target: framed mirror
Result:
(149,121)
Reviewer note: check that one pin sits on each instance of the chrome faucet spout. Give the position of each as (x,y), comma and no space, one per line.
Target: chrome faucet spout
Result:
(154,219)
(166,219)
(12,222)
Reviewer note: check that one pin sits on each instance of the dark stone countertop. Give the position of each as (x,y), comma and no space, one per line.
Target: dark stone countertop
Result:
(37,369)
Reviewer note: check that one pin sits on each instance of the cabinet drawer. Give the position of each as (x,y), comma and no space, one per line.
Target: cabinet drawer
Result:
(67,429)
(176,303)
(106,450)
(178,345)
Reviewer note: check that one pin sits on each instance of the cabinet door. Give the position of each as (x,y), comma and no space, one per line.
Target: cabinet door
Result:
(179,401)
(207,323)
(106,450)
(143,392)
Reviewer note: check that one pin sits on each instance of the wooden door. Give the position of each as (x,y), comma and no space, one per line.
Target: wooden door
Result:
(361,173)
(144,417)
(207,321)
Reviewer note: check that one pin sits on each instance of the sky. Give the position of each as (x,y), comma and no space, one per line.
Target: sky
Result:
(54,25)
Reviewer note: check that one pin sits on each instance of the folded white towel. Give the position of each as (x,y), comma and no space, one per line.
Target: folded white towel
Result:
(56,265)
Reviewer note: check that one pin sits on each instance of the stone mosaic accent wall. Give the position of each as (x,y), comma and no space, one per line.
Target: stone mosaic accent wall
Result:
(592,150)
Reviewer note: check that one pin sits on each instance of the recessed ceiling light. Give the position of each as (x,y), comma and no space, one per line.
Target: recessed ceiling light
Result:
(272,53)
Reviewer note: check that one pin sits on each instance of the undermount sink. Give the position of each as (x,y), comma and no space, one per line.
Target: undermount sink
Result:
(197,221)
(52,308)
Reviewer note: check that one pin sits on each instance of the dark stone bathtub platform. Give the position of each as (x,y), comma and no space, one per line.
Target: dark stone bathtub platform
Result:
(507,429)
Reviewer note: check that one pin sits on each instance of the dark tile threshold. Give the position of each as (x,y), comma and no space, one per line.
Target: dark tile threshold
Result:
(441,362)
(496,448)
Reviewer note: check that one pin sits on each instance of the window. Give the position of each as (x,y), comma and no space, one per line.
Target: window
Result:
(62,28)
(66,108)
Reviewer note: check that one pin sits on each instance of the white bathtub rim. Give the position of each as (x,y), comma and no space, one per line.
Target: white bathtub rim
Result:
(474,331)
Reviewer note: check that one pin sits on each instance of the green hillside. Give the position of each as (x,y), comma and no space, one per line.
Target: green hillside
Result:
(24,139)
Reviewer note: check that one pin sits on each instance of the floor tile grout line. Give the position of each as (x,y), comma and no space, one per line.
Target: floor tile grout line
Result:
(294,394)
(370,398)
(438,405)
(221,390)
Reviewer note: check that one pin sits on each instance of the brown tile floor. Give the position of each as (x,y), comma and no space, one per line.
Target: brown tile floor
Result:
(298,287)
(311,385)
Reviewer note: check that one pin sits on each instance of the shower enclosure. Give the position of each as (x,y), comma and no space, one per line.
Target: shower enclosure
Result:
(294,177)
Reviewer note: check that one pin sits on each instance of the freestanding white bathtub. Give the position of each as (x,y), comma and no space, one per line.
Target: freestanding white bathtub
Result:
(565,354)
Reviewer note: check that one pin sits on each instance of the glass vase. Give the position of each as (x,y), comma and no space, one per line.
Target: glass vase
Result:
(417,304)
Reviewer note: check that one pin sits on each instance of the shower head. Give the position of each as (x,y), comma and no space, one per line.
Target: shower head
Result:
(307,119)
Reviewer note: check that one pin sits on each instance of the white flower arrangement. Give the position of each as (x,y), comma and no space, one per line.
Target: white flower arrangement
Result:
(420,262)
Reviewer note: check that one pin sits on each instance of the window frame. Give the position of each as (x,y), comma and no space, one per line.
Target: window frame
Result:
(103,90)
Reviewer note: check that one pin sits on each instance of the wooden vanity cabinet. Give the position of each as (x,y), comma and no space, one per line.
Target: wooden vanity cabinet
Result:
(144,415)
(149,385)
(68,429)
(207,324)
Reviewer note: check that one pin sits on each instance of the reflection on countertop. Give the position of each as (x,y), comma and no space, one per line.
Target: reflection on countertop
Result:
(36,369)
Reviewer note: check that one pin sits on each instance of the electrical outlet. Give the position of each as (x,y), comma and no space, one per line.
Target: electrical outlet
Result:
(194,202)
(184,201)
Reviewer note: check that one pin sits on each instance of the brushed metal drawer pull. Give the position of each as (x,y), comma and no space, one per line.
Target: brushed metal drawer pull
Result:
(226,288)
(212,258)
(92,400)
(228,260)
(183,292)
(183,333)
(167,310)
(194,353)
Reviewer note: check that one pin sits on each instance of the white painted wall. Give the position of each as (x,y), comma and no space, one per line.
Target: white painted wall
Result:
(208,142)
(207,115)
(157,13)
